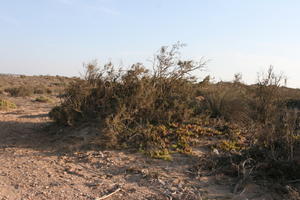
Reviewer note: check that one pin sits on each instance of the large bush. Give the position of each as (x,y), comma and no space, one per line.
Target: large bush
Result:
(131,104)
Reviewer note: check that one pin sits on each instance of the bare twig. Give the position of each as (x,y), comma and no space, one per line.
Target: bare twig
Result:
(108,195)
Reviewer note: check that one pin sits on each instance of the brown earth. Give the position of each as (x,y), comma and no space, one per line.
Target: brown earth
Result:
(34,165)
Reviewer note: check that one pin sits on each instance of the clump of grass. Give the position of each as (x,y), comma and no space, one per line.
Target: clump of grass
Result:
(6,105)
(226,100)
(43,99)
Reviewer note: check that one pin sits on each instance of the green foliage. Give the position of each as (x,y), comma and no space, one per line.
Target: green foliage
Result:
(230,145)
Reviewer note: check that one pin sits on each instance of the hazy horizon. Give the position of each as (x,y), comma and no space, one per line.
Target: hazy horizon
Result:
(56,37)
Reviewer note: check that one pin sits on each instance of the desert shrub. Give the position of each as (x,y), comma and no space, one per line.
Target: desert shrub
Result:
(133,103)
(274,133)
(271,124)
(20,91)
(270,140)
(42,90)
(39,90)
(276,124)
(6,105)
(267,95)
(279,136)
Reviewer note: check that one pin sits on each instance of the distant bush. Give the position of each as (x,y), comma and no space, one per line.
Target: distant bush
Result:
(6,105)
(42,90)
(39,91)
(267,95)
(21,91)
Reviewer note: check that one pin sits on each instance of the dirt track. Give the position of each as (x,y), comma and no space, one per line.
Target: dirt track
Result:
(33,167)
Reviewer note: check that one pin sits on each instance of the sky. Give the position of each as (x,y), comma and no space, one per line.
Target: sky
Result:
(55,37)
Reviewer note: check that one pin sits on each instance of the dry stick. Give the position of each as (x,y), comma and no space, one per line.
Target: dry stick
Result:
(108,195)
(245,177)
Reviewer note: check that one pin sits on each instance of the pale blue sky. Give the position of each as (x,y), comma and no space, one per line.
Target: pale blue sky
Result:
(57,36)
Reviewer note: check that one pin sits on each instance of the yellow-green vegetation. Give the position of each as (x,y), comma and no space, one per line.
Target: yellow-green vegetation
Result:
(6,105)
(160,141)
(43,99)
(230,145)
(165,155)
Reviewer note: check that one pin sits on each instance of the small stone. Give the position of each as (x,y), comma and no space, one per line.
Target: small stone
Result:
(161,182)
(215,151)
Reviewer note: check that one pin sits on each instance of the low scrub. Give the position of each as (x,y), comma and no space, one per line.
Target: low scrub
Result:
(21,91)
(42,90)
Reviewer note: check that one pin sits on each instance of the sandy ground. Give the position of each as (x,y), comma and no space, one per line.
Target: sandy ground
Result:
(32,166)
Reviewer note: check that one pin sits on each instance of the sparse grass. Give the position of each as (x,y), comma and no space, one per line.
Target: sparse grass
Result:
(6,105)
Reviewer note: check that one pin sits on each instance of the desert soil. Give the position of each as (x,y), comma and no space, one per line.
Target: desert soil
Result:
(33,166)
